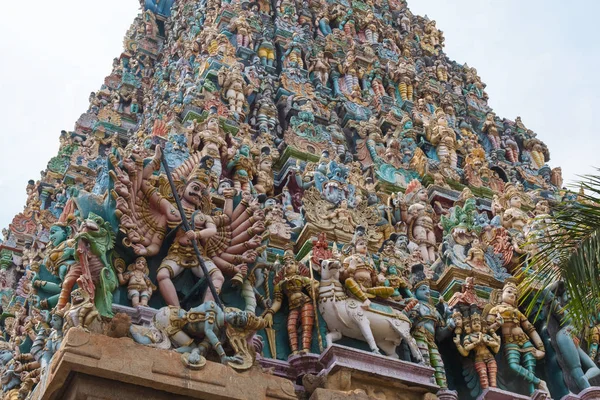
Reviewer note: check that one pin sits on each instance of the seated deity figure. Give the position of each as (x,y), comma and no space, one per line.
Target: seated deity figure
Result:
(360,274)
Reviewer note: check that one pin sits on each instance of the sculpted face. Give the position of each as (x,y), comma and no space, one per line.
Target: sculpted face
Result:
(266,165)
(140,264)
(509,294)
(291,268)
(193,193)
(213,124)
(56,322)
(77,296)
(223,185)
(515,201)
(237,319)
(388,247)
(423,293)
(57,235)
(402,242)
(361,246)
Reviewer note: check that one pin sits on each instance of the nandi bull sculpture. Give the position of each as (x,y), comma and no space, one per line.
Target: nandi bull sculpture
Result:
(383,329)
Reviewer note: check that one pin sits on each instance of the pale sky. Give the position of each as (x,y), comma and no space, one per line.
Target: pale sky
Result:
(538,57)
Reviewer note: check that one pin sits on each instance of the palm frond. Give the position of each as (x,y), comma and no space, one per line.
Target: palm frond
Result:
(567,248)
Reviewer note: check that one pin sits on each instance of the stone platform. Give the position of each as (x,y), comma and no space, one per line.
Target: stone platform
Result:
(91,366)
(347,369)
(96,367)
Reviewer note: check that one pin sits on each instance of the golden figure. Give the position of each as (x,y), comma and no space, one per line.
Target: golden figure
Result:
(360,274)
(517,334)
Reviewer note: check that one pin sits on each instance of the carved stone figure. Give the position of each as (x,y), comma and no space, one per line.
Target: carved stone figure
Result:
(80,312)
(139,285)
(360,275)
(193,333)
(517,334)
(484,346)
(293,281)
(383,331)
(428,326)
(418,215)
(234,88)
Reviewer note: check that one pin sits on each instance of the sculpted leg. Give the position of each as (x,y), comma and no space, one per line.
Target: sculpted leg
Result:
(492,368)
(166,272)
(292,328)
(513,357)
(365,329)
(410,341)
(67,287)
(571,359)
(481,369)
(438,365)
(332,337)
(354,288)
(249,296)
(214,274)
(308,321)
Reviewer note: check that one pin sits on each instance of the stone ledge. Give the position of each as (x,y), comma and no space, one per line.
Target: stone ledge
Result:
(499,394)
(337,357)
(122,361)
(325,394)
(592,393)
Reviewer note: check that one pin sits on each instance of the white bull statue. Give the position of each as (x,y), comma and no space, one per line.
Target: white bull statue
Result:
(381,327)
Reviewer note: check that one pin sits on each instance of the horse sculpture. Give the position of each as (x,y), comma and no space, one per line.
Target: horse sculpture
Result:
(381,327)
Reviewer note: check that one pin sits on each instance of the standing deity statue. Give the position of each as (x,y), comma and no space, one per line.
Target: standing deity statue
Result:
(264,175)
(444,138)
(242,167)
(405,75)
(510,146)
(489,127)
(234,87)
(319,66)
(517,334)
(293,282)
(139,285)
(513,217)
(394,267)
(349,73)
(372,27)
(537,151)
(429,326)
(211,141)
(265,111)
(418,214)
(484,346)
(243,31)
(266,51)
(293,54)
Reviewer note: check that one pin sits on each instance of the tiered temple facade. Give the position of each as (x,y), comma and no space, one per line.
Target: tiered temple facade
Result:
(287,199)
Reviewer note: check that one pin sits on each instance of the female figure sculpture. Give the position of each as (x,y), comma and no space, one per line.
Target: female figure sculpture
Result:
(517,334)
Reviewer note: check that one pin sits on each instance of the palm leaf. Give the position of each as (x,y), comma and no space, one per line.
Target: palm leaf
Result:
(568,249)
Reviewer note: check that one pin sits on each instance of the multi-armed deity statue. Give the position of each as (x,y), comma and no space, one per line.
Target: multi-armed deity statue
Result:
(272,181)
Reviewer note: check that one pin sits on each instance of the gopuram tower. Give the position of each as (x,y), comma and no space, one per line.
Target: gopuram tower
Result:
(286,200)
